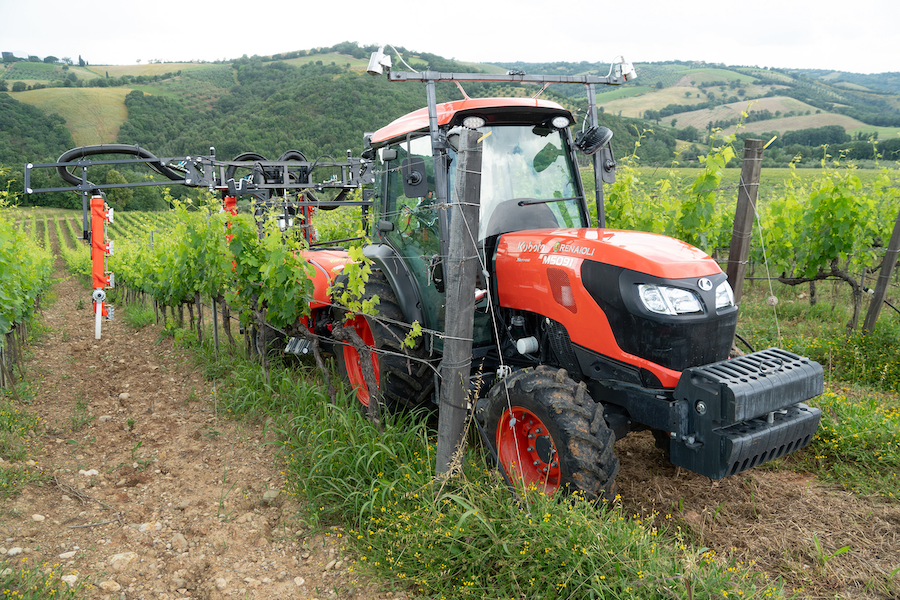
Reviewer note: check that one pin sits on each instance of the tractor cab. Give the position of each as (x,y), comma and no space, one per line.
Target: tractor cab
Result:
(529,181)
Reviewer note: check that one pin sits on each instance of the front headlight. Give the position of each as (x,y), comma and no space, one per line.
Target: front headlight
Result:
(724,295)
(666,300)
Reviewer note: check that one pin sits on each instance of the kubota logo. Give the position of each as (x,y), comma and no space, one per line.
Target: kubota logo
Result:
(531,247)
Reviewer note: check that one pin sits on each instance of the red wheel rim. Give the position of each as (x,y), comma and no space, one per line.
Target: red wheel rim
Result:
(352,359)
(527,450)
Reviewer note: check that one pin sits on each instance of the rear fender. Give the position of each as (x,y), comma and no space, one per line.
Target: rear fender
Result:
(400,279)
(327,265)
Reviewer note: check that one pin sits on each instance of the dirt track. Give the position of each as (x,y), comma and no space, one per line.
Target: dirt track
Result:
(152,493)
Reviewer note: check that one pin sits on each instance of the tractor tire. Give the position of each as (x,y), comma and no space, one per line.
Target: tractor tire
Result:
(548,432)
(404,379)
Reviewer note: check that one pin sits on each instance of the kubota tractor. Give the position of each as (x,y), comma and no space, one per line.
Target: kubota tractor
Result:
(583,333)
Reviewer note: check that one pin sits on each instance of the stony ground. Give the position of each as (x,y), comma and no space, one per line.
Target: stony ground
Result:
(150,493)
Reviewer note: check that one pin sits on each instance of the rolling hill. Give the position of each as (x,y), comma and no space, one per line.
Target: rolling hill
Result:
(321,101)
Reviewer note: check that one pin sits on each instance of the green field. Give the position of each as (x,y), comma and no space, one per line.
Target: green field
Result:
(708,75)
(884,133)
(93,115)
(358,64)
(147,70)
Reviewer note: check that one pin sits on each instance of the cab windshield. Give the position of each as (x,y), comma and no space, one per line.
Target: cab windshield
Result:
(527,181)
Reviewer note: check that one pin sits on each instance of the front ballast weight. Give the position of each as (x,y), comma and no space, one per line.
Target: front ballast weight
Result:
(735,414)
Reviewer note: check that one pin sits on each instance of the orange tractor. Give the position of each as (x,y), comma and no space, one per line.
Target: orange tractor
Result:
(581,334)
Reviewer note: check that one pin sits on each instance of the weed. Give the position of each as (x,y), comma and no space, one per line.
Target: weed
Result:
(80,417)
(223,495)
(139,315)
(130,424)
(11,447)
(38,584)
(822,557)
(140,463)
(857,444)
(80,304)
(13,479)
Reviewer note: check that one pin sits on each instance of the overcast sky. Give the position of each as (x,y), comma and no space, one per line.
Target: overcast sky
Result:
(859,37)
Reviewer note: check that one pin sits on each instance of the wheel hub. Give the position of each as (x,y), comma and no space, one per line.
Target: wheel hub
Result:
(352,359)
(527,450)
(544,448)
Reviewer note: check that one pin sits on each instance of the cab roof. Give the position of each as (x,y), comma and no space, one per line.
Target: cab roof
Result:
(485,107)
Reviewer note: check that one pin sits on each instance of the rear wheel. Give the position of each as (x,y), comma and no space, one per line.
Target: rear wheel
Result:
(402,376)
(549,433)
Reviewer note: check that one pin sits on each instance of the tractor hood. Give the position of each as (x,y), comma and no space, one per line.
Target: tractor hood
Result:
(587,280)
(649,253)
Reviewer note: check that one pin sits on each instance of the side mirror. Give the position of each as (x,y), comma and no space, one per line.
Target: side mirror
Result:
(415,184)
(593,139)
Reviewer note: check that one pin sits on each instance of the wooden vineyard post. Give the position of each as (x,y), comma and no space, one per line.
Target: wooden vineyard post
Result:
(743,216)
(461,268)
(884,278)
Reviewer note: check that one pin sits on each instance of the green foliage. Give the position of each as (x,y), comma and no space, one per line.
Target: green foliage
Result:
(25,270)
(698,216)
(687,211)
(118,198)
(188,253)
(27,134)
(828,224)
(269,274)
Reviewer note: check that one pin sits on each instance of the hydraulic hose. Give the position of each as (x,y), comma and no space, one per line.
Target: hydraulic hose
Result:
(246,156)
(78,153)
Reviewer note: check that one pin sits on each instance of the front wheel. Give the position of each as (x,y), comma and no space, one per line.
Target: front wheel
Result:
(549,433)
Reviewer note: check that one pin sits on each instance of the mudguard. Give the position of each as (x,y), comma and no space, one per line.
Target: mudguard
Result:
(400,279)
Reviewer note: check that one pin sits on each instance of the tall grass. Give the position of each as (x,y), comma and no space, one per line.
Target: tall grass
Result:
(467,537)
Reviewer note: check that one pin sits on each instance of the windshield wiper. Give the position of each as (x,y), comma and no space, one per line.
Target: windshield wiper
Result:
(547,200)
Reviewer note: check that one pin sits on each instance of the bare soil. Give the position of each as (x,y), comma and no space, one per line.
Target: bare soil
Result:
(771,520)
(152,494)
